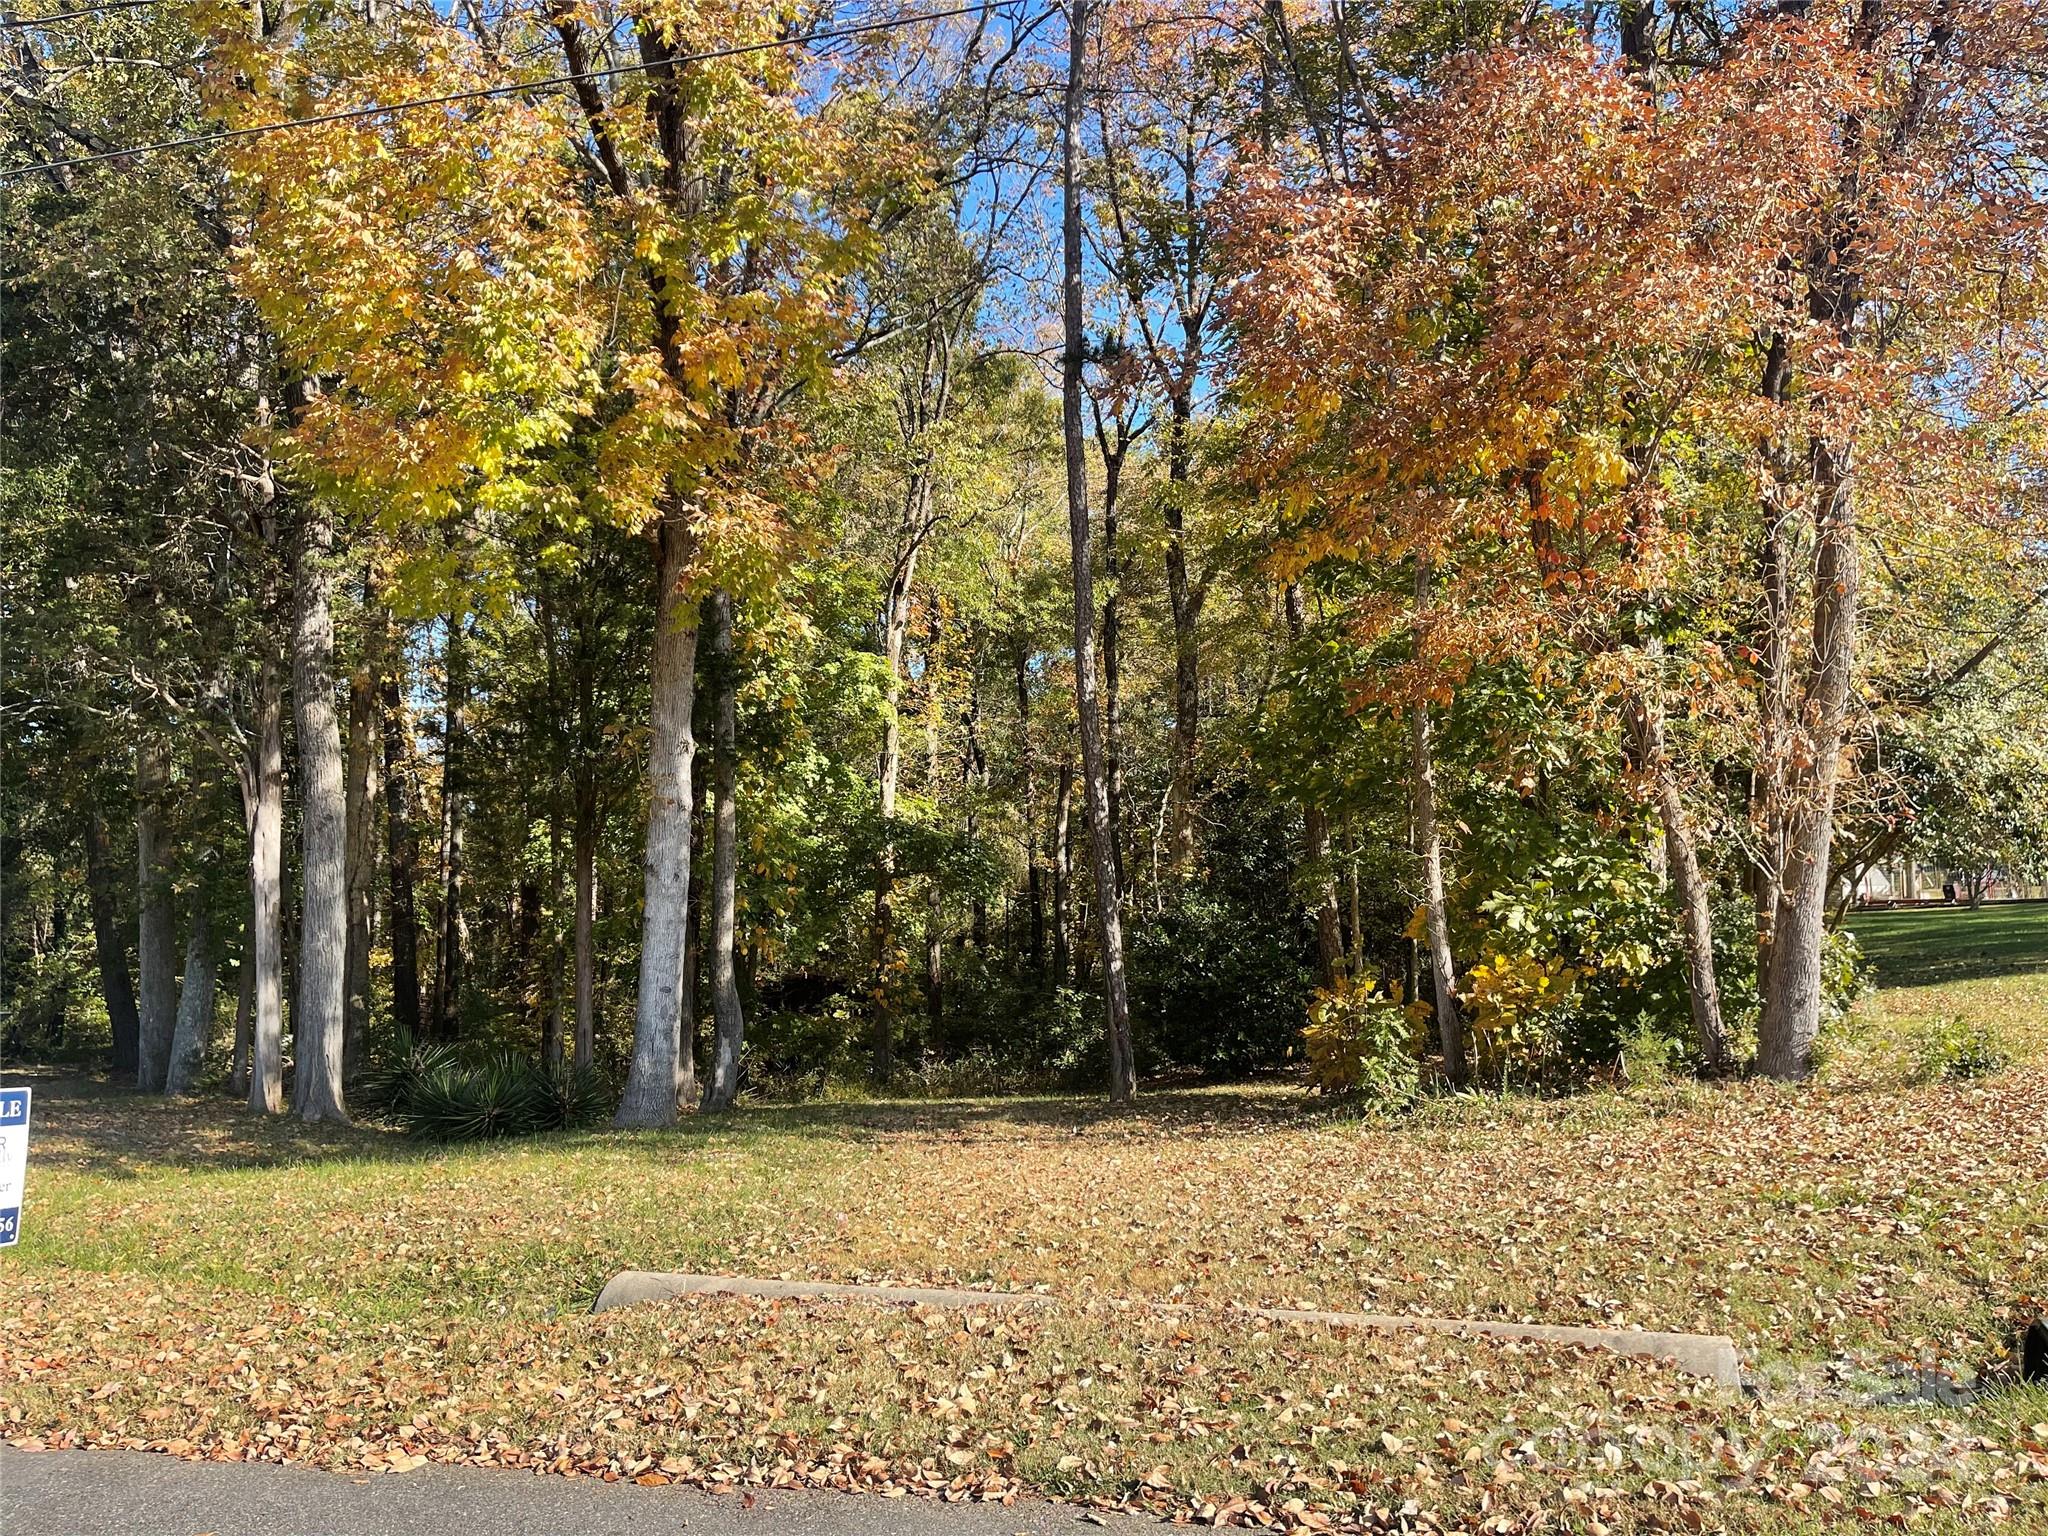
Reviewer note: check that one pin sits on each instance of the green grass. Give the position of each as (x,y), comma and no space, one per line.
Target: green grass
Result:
(1917,946)
(197,1280)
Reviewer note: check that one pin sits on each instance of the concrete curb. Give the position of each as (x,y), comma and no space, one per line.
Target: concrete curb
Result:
(1710,1355)
(631,1287)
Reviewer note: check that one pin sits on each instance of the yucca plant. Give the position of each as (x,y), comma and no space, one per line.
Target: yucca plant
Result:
(392,1084)
(498,1097)
(570,1098)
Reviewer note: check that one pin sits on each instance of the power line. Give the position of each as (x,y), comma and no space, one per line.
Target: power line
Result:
(89,10)
(482,93)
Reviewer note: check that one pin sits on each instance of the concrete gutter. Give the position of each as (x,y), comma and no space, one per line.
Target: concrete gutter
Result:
(1710,1355)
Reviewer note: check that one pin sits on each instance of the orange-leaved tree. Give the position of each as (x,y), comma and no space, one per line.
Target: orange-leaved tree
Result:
(1585,303)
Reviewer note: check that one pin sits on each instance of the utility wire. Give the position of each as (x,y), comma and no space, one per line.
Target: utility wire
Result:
(90,10)
(857,29)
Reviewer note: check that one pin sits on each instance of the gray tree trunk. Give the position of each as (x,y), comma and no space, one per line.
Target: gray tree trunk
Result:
(262,776)
(245,1028)
(360,862)
(1450,1024)
(317,1020)
(1688,885)
(916,525)
(1123,1074)
(1185,603)
(650,1096)
(688,1089)
(110,948)
(1034,874)
(1315,845)
(196,995)
(1063,875)
(934,936)
(448,978)
(1112,648)
(156,936)
(729,1021)
(1791,1003)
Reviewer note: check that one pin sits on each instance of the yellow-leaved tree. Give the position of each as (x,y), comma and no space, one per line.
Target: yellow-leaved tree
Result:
(587,288)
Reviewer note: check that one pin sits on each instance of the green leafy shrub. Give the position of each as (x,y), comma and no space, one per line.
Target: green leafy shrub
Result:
(1359,1041)
(1844,975)
(1575,954)
(1951,1050)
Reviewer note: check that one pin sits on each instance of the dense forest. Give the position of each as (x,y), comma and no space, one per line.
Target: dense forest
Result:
(711,546)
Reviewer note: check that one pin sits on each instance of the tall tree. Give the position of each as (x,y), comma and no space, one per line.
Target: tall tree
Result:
(156,938)
(449,953)
(365,745)
(729,1019)
(1123,1074)
(318,1023)
(109,947)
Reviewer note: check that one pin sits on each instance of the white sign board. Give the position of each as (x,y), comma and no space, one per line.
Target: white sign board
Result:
(13,1161)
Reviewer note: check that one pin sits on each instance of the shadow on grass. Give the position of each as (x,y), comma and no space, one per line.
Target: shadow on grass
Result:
(97,1127)
(1926,946)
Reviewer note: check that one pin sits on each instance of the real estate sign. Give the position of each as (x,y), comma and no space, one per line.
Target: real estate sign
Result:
(13,1160)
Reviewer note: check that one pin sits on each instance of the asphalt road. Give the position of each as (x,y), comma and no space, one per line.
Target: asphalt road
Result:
(134,1493)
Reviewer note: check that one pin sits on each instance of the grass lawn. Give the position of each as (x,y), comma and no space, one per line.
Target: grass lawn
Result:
(1910,946)
(196,1281)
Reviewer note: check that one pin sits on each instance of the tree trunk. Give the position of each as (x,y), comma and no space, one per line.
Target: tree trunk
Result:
(195,1008)
(317,1021)
(262,776)
(934,919)
(1112,652)
(1791,1003)
(245,1028)
(1123,1076)
(974,783)
(1773,746)
(1185,604)
(361,857)
(156,936)
(401,845)
(448,979)
(583,849)
(1315,857)
(1034,874)
(1429,843)
(688,1089)
(1315,845)
(1688,886)
(1063,876)
(110,948)
(895,633)
(650,1096)
(729,1022)
(551,1018)
(527,955)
